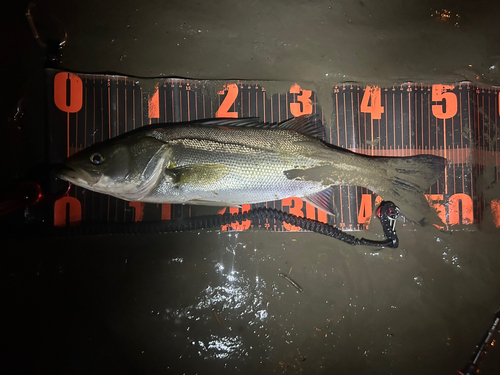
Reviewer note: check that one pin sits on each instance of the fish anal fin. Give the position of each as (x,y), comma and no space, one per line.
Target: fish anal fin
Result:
(322,200)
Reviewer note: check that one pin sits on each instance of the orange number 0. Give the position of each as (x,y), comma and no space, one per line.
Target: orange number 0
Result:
(68,92)
(61,208)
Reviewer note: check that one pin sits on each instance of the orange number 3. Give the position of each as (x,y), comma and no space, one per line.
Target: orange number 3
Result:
(304,106)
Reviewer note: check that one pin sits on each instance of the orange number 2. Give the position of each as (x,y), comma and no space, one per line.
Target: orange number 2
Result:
(232,94)
(372,96)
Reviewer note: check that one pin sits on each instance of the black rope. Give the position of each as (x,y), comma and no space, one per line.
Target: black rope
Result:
(387,214)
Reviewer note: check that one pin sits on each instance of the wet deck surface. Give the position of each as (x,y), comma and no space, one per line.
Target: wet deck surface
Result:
(194,302)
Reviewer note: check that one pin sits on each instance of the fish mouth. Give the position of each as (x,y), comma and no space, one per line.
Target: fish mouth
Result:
(77,176)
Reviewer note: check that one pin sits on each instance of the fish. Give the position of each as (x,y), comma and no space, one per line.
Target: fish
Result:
(231,162)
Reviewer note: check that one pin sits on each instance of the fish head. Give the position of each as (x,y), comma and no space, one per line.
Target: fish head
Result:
(124,167)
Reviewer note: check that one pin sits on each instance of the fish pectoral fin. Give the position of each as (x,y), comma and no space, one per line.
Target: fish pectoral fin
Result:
(322,200)
(197,174)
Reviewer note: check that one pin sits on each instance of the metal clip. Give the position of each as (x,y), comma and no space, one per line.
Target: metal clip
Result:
(393,215)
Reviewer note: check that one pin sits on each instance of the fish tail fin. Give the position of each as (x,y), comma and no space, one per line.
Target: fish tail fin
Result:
(407,180)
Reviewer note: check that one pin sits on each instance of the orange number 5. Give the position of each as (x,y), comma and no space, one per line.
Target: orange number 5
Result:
(448,106)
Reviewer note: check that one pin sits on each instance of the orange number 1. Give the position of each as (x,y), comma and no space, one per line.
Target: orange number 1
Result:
(154,104)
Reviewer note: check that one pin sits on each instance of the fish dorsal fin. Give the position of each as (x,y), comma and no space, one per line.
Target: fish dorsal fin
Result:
(308,125)
(322,200)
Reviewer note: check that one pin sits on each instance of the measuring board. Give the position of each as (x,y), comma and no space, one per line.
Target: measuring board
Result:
(458,122)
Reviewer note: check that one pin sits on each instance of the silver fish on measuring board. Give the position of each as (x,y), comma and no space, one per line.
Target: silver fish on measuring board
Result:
(230,162)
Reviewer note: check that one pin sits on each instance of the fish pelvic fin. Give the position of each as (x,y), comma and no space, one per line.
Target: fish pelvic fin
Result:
(407,179)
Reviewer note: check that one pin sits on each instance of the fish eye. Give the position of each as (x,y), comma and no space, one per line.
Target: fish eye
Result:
(96,158)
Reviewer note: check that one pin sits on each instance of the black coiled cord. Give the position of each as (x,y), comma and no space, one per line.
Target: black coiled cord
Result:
(387,213)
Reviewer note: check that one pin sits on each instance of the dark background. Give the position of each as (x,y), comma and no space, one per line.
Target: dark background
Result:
(152,304)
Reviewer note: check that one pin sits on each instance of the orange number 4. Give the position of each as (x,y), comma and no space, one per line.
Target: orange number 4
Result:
(371,102)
